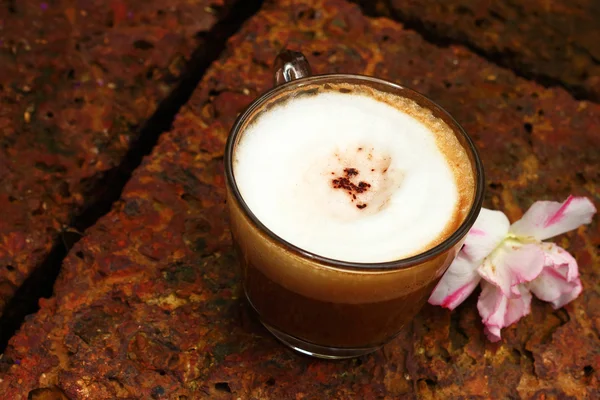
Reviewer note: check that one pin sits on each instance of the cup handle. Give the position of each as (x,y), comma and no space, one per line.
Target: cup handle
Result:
(290,65)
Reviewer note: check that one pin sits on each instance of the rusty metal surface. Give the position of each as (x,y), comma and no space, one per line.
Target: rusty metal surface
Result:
(77,79)
(556,41)
(148,303)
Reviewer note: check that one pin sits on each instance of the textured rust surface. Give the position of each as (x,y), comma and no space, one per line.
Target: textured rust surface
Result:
(148,303)
(77,80)
(556,41)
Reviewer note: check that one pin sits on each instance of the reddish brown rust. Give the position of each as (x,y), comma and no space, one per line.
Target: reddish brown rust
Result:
(78,79)
(149,304)
(554,41)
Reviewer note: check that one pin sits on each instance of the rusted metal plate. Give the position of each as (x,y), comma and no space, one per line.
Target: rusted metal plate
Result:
(77,80)
(148,303)
(554,41)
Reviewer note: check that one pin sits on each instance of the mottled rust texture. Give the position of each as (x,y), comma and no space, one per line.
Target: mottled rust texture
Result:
(148,303)
(77,80)
(556,41)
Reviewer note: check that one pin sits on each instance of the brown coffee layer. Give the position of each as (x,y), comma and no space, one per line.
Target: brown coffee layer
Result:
(330,323)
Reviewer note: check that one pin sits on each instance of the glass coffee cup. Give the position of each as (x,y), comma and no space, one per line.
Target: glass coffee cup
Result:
(320,306)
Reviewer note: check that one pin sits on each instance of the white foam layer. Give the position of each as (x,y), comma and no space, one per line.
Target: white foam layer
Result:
(286,161)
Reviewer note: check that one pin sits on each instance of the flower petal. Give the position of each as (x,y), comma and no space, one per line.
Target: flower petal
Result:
(546,219)
(559,282)
(518,307)
(487,232)
(492,306)
(561,260)
(457,284)
(551,288)
(510,265)
(498,311)
(462,278)
(570,295)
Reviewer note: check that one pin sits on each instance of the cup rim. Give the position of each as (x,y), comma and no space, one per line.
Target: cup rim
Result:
(403,263)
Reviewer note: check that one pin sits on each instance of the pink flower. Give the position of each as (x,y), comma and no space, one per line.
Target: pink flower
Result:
(513,262)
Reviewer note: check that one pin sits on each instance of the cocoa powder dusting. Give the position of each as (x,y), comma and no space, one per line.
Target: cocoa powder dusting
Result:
(350,172)
(345,183)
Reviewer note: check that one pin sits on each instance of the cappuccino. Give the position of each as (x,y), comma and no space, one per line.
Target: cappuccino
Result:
(353,174)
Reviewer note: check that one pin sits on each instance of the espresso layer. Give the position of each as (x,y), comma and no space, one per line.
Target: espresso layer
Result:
(329,323)
(354,174)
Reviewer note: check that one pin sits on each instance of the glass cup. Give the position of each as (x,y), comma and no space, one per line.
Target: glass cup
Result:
(319,306)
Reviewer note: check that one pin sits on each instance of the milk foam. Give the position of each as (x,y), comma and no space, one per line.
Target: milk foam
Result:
(348,177)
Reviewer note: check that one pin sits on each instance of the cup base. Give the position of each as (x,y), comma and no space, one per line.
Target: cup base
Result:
(314,350)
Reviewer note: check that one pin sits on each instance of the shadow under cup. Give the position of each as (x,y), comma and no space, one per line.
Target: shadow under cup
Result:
(324,307)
